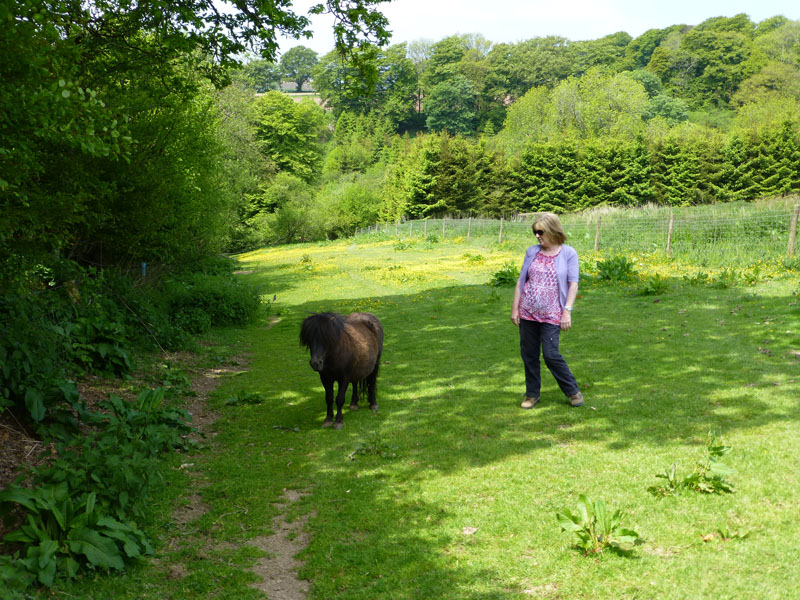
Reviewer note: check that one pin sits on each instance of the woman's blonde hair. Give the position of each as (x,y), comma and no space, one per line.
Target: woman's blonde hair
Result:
(551,225)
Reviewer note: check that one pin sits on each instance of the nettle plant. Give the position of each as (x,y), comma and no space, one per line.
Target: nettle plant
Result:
(596,527)
(710,475)
(616,269)
(506,276)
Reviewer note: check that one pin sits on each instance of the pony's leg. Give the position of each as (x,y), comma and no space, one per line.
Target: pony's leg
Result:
(340,394)
(327,382)
(354,397)
(372,390)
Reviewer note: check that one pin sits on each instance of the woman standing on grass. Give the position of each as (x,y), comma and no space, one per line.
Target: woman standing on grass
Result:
(543,301)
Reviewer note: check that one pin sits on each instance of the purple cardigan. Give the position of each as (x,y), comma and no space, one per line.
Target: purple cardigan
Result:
(566,269)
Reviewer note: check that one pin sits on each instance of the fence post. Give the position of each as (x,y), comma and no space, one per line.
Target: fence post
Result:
(793,230)
(500,238)
(597,235)
(669,234)
(469,227)
(426,229)
(443,220)
(410,228)
(395,229)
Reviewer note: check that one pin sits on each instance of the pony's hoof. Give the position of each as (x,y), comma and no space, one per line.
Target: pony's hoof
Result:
(374,408)
(327,423)
(338,425)
(354,407)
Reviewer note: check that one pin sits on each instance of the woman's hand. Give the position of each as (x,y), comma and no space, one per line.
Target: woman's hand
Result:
(515,316)
(566,320)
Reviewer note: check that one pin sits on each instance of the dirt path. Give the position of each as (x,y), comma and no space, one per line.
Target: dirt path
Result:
(278,570)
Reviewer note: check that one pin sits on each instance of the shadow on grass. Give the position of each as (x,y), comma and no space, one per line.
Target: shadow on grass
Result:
(655,372)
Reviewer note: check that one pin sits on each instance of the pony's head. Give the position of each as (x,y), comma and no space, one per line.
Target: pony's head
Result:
(320,333)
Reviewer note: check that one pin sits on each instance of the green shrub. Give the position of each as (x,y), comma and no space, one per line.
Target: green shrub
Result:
(506,276)
(223,299)
(710,475)
(654,286)
(34,351)
(615,269)
(596,528)
(79,512)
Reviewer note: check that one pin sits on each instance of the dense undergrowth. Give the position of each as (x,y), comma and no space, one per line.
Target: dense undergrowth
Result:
(83,509)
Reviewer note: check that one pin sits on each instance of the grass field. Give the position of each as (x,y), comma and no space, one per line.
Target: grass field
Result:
(450,490)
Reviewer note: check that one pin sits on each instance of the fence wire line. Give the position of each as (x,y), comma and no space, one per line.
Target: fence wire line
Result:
(766,232)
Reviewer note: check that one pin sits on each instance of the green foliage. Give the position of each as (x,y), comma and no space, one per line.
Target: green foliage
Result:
(289,133)
(507,276)
(616,269)
(346,204)
(245,397)
(297,65)
(450,106)
(596,527)
(78,514)
(710,475)
(374,446)
(654,286)
(258,74)
(390,94)
(199,302)
(33,376)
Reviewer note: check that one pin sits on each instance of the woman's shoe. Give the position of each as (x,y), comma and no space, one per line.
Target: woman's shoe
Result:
(529,402)
(576,400)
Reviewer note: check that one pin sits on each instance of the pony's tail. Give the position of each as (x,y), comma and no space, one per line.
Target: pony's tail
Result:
(363,388)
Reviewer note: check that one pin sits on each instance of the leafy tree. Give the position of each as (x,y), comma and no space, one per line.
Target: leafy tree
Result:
(529,119)
(444,61)
(779,40)
(450,106)
(599,104)
(419,52)
(392,95)
(672,110)
(651,83)
(287,214)
(776,79)
(260,75)
(706,65)
(348,203)
(513,69)
(298,65)
(639,51)
(608,51)
(289,133)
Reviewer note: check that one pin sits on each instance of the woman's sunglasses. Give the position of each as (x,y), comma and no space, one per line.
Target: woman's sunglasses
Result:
(538,232)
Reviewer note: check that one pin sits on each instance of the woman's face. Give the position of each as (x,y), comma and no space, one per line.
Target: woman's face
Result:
(540,233)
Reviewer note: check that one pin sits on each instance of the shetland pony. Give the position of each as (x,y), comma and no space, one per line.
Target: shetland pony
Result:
(345,350)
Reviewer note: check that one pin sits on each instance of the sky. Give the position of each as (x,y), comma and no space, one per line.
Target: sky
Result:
(515,20)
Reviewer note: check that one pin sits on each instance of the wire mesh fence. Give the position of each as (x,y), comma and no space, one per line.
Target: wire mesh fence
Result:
(713,235)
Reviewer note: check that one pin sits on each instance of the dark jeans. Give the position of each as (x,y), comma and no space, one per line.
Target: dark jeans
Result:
(533,337)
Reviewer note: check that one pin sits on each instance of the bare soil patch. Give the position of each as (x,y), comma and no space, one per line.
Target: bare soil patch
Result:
(278,570)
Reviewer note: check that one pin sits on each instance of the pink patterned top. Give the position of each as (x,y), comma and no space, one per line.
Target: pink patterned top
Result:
(540,300)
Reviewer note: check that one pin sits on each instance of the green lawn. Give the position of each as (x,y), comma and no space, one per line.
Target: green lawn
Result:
(451,490)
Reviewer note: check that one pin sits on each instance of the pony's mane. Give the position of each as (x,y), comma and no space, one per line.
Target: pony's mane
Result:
(326,327)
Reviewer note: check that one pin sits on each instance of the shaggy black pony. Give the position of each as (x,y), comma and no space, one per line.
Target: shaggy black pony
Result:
(344,349)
